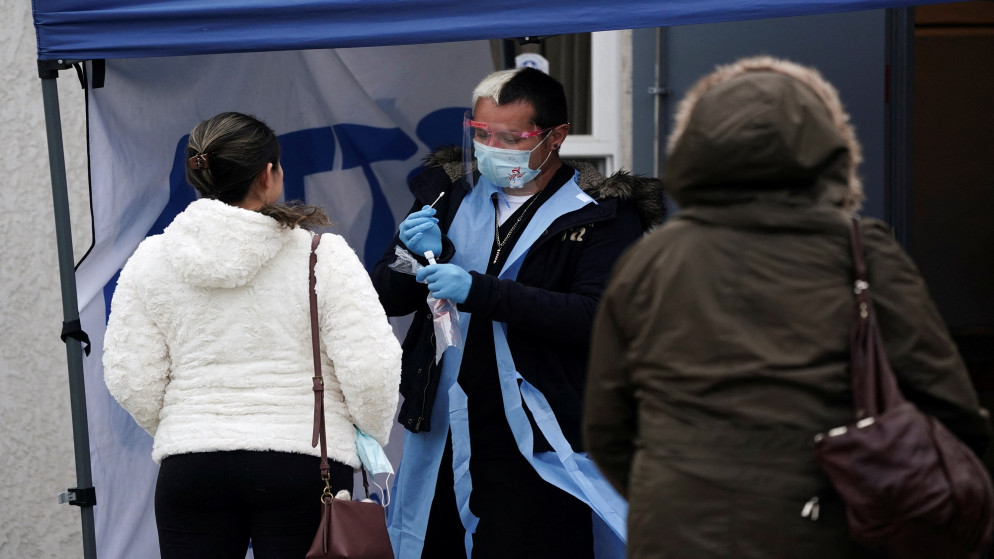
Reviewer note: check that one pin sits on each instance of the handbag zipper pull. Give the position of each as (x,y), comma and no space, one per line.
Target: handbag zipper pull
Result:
(810,509)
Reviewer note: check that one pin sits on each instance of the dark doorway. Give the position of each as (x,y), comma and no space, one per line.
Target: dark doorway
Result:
(952,198)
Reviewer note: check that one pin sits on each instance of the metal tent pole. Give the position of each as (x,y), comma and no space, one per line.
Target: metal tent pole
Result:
(83,495)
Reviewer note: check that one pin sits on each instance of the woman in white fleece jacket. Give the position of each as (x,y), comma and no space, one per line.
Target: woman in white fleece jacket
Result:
(208,347)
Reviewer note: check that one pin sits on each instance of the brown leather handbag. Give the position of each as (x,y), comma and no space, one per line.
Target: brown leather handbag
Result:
(911,488)
(348,529)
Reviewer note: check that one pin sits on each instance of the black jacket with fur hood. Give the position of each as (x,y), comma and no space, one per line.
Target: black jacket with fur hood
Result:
(548,309)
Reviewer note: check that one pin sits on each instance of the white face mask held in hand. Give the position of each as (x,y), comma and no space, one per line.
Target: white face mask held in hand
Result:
(374,460)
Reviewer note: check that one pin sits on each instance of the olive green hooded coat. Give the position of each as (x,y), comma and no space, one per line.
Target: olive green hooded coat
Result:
(721,344)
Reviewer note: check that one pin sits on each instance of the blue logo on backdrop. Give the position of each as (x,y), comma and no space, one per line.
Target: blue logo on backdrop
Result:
(311,151)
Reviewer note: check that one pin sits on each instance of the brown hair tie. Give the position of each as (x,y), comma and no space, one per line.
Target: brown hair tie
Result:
(198,161)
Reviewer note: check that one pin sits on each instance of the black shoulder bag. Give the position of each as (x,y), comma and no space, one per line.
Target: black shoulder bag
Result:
(910,486)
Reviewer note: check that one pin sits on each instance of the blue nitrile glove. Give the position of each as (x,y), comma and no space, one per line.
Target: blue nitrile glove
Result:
(446,281)
(419,232)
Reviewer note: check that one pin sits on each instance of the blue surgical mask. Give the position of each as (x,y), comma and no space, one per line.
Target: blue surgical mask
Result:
(371,454)
(374,460)
(507,168)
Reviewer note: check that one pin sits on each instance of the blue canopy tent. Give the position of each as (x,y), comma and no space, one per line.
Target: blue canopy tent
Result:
(71,31)
(93,29)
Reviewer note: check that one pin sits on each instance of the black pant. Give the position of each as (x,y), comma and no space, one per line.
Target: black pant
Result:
(521,515)
(209,505)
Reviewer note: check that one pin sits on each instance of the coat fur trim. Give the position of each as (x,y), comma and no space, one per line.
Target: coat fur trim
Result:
(645,193)
(810,77)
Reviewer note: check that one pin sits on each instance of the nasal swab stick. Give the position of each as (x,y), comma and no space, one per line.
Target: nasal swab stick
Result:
(437,199)
(429,254)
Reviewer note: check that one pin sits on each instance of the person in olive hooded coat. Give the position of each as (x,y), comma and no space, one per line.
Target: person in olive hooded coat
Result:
(721,344)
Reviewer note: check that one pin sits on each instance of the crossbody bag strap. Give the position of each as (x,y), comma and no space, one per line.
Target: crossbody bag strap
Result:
(318,435)
(874,384)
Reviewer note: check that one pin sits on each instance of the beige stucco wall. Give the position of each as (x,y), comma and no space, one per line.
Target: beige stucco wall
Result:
(36,438)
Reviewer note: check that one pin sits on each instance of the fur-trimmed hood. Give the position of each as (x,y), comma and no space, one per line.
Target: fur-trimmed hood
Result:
(644,193)
(763,129)
(206,245)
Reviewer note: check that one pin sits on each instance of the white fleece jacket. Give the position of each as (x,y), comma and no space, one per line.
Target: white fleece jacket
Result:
(208,345)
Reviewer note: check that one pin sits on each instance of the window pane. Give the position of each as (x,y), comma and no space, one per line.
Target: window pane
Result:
(569,62)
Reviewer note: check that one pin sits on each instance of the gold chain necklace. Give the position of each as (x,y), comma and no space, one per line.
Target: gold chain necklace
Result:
(500,243)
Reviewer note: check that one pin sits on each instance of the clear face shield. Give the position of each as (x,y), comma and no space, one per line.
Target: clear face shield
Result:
(468,160)
(501,151)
